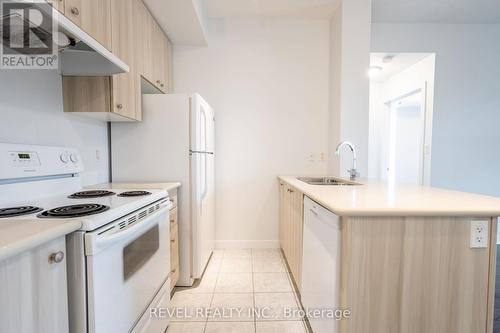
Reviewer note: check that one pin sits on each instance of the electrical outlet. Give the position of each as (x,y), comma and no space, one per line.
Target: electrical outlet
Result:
(479,234)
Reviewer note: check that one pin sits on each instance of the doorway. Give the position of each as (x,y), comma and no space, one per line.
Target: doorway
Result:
(406,139)
(400,125)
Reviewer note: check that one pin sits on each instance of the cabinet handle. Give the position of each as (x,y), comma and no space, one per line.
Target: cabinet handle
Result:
(173,271)
(172,240)
(74,11)
(56,257)
(172,221)
(158,81)
(119,106)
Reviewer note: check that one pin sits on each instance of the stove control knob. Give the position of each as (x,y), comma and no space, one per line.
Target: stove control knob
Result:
(64,157)
(74,158)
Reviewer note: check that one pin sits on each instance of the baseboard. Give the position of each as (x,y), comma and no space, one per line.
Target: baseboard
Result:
(247,244)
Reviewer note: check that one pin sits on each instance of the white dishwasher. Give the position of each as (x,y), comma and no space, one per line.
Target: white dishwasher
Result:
(321,264)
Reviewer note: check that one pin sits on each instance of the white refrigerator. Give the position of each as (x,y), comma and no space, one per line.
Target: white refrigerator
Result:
(174,142)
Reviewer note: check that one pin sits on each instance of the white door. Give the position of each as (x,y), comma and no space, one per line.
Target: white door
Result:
(407,130)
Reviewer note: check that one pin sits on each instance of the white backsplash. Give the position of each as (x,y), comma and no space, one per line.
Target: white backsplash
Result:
(31,109)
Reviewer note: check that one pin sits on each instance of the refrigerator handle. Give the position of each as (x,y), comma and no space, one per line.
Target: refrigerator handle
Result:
(204,114)
(205,187)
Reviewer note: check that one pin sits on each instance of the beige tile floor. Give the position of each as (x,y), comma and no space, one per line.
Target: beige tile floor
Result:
(241,291)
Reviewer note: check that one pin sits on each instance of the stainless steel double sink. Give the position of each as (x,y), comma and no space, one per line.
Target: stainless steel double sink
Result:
(327,181)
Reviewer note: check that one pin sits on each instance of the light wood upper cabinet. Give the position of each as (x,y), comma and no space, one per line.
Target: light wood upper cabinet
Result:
(93,16)
(168,65)
(152,48)
(126,91)
(143,22)
(135,38)
(115,98)
(159,58)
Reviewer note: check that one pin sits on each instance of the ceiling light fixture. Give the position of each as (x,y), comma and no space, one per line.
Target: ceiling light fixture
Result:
(388,58)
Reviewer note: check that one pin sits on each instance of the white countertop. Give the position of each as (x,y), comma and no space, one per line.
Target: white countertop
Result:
(18,236)
(376,199)
(163,186)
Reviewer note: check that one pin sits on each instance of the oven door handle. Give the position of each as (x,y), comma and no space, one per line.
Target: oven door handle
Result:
(95,243)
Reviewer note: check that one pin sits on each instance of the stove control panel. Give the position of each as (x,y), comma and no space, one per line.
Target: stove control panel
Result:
(24,159)
(21,161)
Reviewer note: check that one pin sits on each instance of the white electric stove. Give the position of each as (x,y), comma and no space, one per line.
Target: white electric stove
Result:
(118,263)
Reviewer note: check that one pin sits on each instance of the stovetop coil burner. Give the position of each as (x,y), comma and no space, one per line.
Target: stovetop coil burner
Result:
(18,211)
(91,194)
(73,211)
(134,194)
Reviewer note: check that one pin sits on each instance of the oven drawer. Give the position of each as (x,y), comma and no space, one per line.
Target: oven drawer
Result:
(155,319)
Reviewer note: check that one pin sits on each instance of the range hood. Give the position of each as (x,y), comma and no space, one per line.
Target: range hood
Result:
(79,53)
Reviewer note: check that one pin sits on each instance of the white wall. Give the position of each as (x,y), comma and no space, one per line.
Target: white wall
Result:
(32,112)
(349,86)
(417,76)
(466,139)
(268,83)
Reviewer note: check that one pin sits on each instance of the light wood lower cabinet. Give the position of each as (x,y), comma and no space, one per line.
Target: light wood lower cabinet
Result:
(174,242)
(415,274)
(33,290)
(291,229)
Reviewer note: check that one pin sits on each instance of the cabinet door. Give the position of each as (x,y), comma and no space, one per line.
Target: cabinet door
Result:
(33,289)
(86,94)
(143,23)
(174,255)
(282,214)
(168,64)
(93,16)
(126,90)
(291,229)
(297,227)
(158,57)
(57,4)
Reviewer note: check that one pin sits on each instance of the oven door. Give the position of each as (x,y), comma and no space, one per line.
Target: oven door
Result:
(126,267)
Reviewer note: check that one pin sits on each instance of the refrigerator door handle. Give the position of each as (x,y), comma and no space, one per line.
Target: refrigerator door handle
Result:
(205,186)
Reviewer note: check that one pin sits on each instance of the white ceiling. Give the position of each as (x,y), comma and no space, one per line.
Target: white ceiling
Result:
(270,8)
(436,11)
(182,20)
(400,62)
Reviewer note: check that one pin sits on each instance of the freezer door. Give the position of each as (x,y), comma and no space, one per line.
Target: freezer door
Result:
(202,125)
(203,210)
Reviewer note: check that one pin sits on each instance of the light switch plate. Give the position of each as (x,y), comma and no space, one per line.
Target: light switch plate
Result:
(479,234)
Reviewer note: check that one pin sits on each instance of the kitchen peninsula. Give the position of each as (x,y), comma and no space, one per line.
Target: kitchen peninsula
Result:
(401,258)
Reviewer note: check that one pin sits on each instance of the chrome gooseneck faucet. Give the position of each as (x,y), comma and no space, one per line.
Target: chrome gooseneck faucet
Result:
(352,172)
